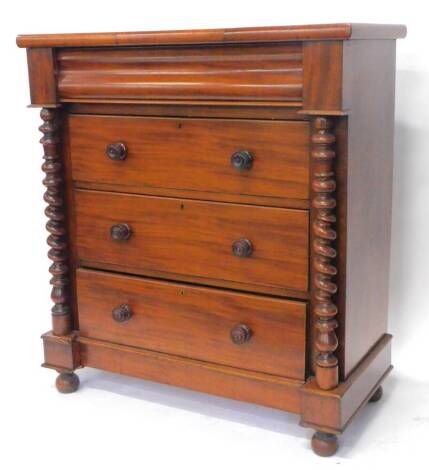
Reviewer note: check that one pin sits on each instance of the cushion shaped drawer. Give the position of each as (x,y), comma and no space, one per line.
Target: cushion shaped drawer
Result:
(261,72)
(195,322)
(195,238)
(192,154)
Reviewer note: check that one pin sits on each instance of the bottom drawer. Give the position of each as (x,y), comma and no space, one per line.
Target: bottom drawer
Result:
(240,330)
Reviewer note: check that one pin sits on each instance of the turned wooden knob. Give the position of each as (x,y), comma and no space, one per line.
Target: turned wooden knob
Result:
(120,232)
(121,313)
(116,151)
(240,334)
(242,248)
(242,160)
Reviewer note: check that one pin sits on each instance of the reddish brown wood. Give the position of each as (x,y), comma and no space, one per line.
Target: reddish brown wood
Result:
(332,410)
(323,270)
(186,158)
(238,384)
(247,72)
(61,352)
(69,218)
(67,382)
(323,76)
(194,109)
(54,197)
(193,154)
(213,36)
(187,278)
(200,195)
(369,89)
(195,322)
(194,238)
(41,74)
(324,444)
(340,130)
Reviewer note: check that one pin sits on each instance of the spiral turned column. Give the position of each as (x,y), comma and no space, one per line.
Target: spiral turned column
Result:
(323,251)
(52,166)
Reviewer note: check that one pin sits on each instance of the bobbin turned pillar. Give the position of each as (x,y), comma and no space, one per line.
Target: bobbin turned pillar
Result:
(323,252)
(323,269)
(52,166)
(67,381)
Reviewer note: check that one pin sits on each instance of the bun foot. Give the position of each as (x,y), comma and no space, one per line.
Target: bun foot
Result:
(67,382)
(324,444)
(377,395)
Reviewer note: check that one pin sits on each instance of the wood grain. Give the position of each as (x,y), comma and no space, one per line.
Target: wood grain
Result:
(323,252)
(56,225)
(203,281)
(194,322)
(193,154)
(323,75)
(238,384)
(369,193)
(332,410)
(269,110)
(202,195)
(227,35)
(61,352)
(277,291)
(195,238)
(41,76)
(248,72)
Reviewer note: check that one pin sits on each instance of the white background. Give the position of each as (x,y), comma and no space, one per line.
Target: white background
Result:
(116,422)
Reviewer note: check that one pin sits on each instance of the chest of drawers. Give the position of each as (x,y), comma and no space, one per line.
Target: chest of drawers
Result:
(218,207)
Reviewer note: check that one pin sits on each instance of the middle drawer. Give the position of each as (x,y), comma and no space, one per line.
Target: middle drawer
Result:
(251,245)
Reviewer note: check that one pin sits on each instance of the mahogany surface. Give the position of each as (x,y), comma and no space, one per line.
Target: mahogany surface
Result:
(218,207)
(194,322)
(369,194)
(230,72)
(342,31)
(194,238)
(193,154)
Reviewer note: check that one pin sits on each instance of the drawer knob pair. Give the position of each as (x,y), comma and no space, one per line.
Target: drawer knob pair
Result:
(120,232)
(241,334)
(117,151)
(242,160)
(122,313)
(242,248)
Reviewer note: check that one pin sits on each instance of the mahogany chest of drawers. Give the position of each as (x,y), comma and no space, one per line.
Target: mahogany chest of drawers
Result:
(218,207)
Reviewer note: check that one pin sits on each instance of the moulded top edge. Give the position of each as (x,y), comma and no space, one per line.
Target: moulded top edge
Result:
(339,31)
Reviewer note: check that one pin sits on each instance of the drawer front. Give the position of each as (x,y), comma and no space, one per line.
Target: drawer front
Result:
(194,322)
(193,154)
(194,238)
(218,72)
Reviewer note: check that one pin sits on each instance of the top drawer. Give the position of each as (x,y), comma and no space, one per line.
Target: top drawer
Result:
(271,157)
(217,72)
